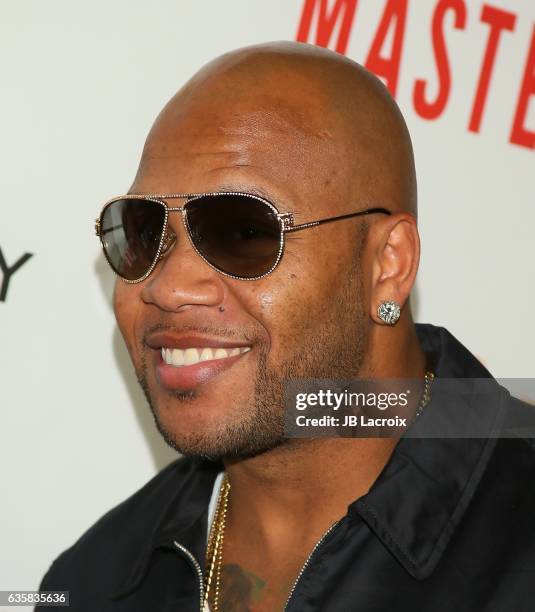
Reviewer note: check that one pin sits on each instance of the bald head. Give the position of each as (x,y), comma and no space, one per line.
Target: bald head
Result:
(334,134)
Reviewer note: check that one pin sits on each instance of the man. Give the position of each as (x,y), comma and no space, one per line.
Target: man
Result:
(217,316)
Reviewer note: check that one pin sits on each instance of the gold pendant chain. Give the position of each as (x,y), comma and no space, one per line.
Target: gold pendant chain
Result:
(214,551)
(426,395)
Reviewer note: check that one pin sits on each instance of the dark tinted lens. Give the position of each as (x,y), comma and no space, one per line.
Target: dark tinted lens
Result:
(131,230)
(237,234)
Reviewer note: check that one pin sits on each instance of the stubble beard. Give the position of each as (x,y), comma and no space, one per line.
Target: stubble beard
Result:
(334,349)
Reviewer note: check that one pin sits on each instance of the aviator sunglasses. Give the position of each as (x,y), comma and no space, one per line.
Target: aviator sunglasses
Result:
(240,235)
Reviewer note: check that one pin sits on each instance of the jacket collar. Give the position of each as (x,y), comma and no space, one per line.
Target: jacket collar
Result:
(184,519)
(423,491)
(414,505)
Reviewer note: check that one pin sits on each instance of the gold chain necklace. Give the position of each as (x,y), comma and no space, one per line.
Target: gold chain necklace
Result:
(426,395)
(214,551)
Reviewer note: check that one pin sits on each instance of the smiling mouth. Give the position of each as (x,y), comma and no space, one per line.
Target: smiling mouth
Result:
(185,357)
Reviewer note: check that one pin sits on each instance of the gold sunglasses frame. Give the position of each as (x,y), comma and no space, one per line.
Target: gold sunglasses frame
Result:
(285,220)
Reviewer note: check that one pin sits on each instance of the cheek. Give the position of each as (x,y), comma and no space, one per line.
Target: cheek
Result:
(292,305)
(126,307)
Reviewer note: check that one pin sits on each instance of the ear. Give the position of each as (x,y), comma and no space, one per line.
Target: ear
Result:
(395,261)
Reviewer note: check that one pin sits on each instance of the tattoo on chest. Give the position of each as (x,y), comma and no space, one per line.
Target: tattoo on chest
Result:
(240,589)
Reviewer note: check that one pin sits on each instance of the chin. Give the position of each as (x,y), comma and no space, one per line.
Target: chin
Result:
(200,424)
(237,440)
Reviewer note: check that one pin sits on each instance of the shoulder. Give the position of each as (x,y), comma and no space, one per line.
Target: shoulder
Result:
(519,422)
(146,503)
(119,537)
(511,467)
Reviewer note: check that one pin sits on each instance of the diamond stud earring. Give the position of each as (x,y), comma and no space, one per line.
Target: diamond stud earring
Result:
(389,312)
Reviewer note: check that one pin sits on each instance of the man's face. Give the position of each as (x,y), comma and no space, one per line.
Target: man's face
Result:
(306,319)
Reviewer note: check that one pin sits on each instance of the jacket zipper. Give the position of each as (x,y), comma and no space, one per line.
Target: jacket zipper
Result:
(197,567)
(306,563)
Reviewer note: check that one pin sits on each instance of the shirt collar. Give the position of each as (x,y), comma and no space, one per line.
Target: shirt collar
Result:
(414,505)
(417,501)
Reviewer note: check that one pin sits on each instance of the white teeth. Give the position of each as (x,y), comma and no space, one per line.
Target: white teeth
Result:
(190,356)
(206,354)
(177,357)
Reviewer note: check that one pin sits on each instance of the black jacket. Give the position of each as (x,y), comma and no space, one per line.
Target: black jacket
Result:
(449,525)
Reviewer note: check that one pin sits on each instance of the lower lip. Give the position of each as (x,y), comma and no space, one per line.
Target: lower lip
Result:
(188,377)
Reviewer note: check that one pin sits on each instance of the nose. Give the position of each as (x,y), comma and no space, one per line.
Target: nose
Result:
(182,278)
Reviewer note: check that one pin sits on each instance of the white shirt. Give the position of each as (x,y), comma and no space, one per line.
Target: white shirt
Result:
(213,501)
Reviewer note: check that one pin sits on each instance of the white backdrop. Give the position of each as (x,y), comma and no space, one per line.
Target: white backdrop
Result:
(82,83)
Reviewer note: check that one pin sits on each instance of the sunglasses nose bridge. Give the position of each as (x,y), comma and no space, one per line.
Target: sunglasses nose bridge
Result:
(179,237)
(171,236)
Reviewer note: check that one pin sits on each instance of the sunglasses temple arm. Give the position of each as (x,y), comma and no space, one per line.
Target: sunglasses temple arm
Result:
(369,211)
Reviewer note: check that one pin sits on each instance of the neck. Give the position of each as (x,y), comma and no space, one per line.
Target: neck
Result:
(295,491)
